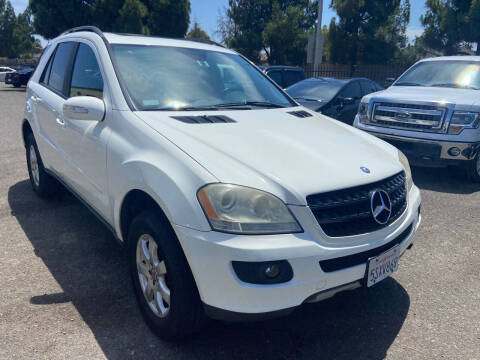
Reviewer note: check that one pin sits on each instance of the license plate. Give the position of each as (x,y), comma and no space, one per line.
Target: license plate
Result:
(382,266)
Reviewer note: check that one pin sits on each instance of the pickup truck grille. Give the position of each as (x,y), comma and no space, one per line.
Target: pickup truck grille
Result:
(347,212)
(428,118)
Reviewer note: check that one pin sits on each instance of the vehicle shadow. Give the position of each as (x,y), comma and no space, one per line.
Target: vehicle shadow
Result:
(12,89)
(446,180)
(93,274)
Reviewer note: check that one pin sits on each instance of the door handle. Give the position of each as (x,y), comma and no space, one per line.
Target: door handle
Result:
(60,121)
(36,99)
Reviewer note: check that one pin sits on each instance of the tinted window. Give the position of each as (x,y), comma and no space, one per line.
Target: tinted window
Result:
(86,76)
(368,87)
(166,78)
(292,77)
(60,64)
(352,90)
(46,71)
(276,76)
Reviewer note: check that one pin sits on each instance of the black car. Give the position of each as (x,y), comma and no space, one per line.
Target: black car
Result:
(336,98)
(19,77)
(284,75)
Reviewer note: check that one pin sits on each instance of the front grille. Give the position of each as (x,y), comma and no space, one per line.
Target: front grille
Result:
(428,118)
(347,212)
(345,262)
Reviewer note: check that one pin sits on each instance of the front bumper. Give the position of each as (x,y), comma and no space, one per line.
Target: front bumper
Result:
(210,255)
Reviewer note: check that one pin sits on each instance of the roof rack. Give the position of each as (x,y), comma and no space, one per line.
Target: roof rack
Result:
(94,29)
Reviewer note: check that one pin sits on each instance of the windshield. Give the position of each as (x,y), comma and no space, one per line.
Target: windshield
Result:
(314,90)
(174,78)
(443,73)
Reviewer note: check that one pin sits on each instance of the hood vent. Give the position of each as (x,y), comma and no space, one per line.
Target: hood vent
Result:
(300,114)
(204,119)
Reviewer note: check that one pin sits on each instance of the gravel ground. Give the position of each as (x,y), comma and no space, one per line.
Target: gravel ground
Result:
(66,291)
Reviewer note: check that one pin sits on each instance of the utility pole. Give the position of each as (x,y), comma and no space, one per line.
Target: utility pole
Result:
(315,42)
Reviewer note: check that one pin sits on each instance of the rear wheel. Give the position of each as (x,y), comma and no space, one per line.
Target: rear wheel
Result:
(42,183)
(162,280)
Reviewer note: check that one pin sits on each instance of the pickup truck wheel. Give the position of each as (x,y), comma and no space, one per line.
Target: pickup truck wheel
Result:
(162,280)
(42,183)
(473,169)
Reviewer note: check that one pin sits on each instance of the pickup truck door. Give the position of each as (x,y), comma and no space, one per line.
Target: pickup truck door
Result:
(84,141)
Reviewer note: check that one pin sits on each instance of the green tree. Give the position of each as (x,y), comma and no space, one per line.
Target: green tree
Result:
(8,21)
(23,40)
(250,27)
(197,32)
(451,24)
(367,31)
(150,17)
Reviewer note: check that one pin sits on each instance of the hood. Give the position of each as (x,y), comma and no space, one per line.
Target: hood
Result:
(314,105)
(272,150)
(434,94)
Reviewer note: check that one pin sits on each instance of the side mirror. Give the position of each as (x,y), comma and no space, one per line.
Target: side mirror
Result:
(84,108)
(348,101)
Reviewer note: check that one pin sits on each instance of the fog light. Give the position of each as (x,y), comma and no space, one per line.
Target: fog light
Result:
(272,271)
(454,151)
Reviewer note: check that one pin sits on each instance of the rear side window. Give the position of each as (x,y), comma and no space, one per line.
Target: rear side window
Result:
(59,67)
(351,90)
(86,76)
(292,77)
(367,87)
(276,76)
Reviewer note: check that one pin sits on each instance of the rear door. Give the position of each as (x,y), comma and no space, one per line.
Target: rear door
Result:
(47,98)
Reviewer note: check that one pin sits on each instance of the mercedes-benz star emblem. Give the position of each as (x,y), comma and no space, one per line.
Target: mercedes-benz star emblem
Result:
(380,206)
(365,169)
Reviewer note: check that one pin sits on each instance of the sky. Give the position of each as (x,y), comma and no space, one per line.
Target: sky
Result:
(206,12)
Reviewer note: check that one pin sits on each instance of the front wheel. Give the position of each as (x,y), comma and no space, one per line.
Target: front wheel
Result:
(473,169)
(164,286)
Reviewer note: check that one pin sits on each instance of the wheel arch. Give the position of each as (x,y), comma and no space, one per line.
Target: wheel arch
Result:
(26,130)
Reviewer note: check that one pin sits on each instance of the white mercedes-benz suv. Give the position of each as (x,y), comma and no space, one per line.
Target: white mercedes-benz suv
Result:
(232,200)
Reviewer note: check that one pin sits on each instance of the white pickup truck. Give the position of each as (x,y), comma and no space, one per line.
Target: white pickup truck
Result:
(431,113)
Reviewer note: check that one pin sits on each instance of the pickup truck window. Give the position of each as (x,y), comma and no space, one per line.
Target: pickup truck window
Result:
(174,78)
(443,73)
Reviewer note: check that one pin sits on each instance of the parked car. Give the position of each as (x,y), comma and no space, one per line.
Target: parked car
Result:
(19,77)
(284,76)
(3,71)
(431,113)
(232,200)
(336,98)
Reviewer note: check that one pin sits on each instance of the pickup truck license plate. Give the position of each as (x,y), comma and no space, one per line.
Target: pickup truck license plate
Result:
(382,266)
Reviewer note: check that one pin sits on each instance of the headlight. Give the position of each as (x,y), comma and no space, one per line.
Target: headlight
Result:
(243,210)
(461,120)
(363,112)
(408,172)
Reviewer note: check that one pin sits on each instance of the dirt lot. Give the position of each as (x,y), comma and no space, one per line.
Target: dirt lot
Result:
(65,290)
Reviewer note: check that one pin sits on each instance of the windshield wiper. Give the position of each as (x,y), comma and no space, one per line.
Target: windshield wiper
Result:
(457,86)
(406,83)
(249,104)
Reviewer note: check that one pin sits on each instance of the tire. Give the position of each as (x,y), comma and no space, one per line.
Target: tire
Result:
(174,310)
(42,183)
(17,85)
(473,169)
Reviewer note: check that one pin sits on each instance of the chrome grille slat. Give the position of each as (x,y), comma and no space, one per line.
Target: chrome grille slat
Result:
(347,212)
(428,118)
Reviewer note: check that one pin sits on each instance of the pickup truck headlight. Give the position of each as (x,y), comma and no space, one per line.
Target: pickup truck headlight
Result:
(461,120)
(363,112)
(408,172)
(243,210)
